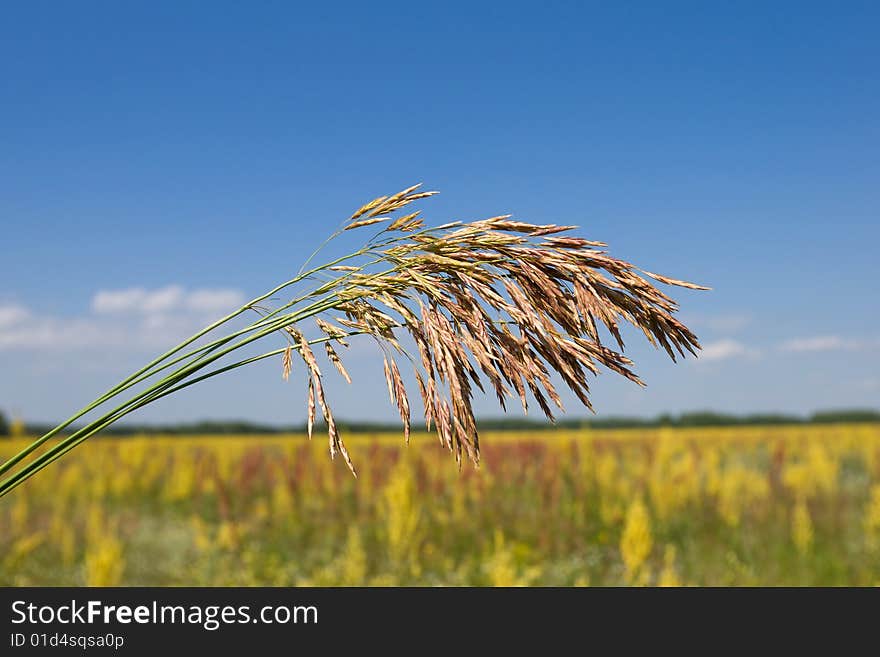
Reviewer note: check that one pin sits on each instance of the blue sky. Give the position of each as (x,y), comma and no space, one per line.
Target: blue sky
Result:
(184,155)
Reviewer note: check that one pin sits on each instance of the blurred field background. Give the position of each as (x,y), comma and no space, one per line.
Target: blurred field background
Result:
(781,505)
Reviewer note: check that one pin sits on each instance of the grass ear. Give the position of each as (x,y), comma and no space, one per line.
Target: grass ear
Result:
(496,302)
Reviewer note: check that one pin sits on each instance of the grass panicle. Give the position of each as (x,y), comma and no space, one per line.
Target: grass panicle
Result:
(497,303)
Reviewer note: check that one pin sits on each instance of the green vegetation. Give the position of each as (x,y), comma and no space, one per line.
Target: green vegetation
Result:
(694,419)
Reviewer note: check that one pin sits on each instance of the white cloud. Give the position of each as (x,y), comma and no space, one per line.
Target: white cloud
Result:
(12,314)
(53,333)
(133,318)
(118,301)
(214,300)
(724,350)
(167,299)
(820,343)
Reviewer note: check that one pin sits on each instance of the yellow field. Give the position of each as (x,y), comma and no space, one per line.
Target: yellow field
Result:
(729,506)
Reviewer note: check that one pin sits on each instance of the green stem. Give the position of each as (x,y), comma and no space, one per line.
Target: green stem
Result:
(86,432)
(150,369)
(175,377)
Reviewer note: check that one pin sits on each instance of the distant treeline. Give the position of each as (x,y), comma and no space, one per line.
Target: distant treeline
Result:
(695,419)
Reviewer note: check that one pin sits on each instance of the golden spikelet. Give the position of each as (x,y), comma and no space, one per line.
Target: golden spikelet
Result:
(388,379)
(286,363)
(333,357)
(308,356)
(365,222)
(673,281)
(311,407)
(367,207)
(400,222)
